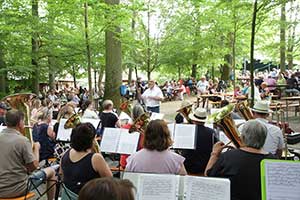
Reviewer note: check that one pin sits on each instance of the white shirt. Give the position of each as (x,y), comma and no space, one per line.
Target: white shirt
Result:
(274,138)
(154,92)
(256,93)
(90,114)
(202,85)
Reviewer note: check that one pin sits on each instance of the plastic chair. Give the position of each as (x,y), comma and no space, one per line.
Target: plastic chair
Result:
(30,195)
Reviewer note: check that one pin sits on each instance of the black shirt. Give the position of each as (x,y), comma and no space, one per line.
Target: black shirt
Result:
(291,83)
(76,174)
(243,170)
(196,160)
(108,119)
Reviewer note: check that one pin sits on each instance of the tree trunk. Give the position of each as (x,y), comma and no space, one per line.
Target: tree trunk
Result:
(3,74)
(226,68)
(88,50)
(292,35)
(51,72)
(252,52)
(100,77)
(113,57)
(130,74)
(35,47)
(194,70)
(148,45)
(282,37)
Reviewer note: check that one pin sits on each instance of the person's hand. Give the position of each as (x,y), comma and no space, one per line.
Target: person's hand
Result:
(217,148)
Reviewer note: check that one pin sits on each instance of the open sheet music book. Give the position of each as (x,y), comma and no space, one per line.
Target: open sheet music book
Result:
(280,179)
(117,140)
(183,135)
(63,134)
(155,116)
(175,187)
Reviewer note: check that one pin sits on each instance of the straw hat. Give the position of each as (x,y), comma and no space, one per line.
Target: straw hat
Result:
(184,104)
(199,115)
(262,107)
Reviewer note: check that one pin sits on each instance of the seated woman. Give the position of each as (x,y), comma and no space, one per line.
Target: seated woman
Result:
(79,165)
(241,166)
(89,110)
(156,157)
(136,112)
(108,117)
(107,189)
(43,133)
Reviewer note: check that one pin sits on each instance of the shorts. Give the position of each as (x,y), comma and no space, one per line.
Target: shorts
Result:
(36,179)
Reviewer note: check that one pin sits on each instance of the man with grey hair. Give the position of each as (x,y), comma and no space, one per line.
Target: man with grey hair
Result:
(18,159)
(152,97)
(241,166)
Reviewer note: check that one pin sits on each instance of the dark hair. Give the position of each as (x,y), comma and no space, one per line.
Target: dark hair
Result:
(85,105)
(107,189)
(13,117)
(157,136)
(224,103)
(82,136)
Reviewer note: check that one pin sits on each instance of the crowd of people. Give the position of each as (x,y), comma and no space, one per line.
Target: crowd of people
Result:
(86,174)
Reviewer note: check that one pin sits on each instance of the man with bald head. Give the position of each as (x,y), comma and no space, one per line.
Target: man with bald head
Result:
(152,97)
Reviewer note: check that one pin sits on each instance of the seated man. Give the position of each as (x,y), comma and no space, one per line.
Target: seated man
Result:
(18,160)
(196,159)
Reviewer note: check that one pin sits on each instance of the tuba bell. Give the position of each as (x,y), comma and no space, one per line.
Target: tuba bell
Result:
(21,102)
(224,120)
(244,110)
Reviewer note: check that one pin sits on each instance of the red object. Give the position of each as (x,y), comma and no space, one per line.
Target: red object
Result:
(188,91)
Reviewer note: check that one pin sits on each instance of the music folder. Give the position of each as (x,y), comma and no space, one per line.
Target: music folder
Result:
(183,135)
(118,140)
(175,187)
(63,135)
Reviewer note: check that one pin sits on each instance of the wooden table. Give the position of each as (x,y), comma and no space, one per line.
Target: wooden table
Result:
(205,97)
(287,99)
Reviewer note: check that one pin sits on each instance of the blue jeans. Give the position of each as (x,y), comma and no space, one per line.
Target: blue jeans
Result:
(153,109)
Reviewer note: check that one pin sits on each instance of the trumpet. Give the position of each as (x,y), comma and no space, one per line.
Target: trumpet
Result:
(244,110)
(224,120)
(21,102)
(72,122)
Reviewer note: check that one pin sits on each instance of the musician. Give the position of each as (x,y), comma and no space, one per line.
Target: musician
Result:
(152,97)
(108,117)
(156,157)
(196,159)
(179,118)
(18,159)
(241,166)
(274,141)
(3,110)
(79,165)
(107,189)
(43,133)
(89,110)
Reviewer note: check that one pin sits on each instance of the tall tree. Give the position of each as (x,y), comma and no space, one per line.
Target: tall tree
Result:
(113,57)
(35,47)
(282,35)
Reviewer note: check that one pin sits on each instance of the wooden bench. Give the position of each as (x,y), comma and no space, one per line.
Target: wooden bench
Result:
(30,195)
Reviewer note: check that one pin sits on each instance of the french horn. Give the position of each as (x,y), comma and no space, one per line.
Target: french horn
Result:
(20,101)
(244,110)
(140,123)
(75,120)
(223,119)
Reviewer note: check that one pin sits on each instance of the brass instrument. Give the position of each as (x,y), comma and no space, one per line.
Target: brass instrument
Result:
(72,122)
(126,107)
(244,110)
(21,102)
(225,121)
(185,111)
(140,124)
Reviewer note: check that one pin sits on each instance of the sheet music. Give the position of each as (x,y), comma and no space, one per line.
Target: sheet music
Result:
(2,127)
(239,121)
(223,138)
(184,136)
(95,122)
(158,187)
(155,116)
(128,142)
(125,116)
(110,140)
(171,129)
(282,180)
(62,133)
(197,188)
